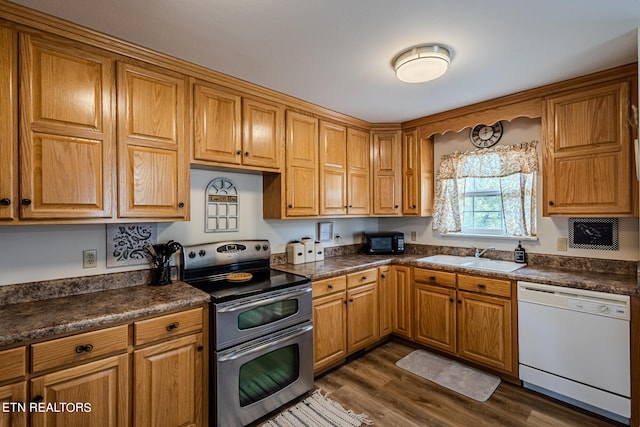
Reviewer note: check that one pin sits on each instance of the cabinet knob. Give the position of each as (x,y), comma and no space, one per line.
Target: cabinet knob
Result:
(290,206)
(551,203)
(173,326)
(87,348)
(5,202)
(459,301)
(238,152)
(396,207)
(350,206)
(330,286)
(26,202)
(246,154)
(413,206)
(382,276)
(450,299)
(482,286)
(432,278)
(350,299)
(37,399)
(200,348)
(363,278)
(181,205)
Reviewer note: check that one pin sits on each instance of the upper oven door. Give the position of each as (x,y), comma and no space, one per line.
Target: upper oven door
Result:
(241,320)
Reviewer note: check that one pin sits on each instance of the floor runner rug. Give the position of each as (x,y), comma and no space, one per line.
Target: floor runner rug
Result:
(318,410)
(453,375)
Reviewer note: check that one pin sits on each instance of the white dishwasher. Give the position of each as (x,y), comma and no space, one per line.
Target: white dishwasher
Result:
(574,345)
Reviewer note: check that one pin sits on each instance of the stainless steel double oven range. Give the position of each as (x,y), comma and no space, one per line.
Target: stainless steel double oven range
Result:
(261,330)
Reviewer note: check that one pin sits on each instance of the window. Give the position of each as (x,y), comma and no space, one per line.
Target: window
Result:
(483,207)
(490,191)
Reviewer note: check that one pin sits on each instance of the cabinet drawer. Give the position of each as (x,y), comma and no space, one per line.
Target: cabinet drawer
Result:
(13,363)
(329,286)
(441,278)
(163,327)
(501,288)
(62,351)
(362,277)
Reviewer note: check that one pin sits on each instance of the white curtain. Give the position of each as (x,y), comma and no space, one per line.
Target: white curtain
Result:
(516,167)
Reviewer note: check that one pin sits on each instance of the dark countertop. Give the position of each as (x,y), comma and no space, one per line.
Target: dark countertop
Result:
(339,265)
(32,320)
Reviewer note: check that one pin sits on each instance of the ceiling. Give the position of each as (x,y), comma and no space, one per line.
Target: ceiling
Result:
(338,53)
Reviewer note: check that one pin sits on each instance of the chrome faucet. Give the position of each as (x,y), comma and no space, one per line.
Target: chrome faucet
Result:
(479,252)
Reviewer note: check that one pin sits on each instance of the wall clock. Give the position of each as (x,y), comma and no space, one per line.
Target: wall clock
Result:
(485,136)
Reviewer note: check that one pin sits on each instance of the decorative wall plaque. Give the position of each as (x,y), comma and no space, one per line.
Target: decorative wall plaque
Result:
(593,233)
(126,243)
(221,206)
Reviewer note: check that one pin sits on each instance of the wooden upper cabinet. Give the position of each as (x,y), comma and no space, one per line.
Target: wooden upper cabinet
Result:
(217,133)
(417,174)
(153,163)
(588,157)
(301,165)
(8,124)
(358,172)
(67,141)
(333,169)
(261,134)
(387,169)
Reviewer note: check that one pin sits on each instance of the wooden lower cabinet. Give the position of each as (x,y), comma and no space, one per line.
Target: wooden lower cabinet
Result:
(362,317)
(484,330)
(469,316)
(10,394)
(329,330)
(168,383)
(401,301)
(385,293)
(98,391)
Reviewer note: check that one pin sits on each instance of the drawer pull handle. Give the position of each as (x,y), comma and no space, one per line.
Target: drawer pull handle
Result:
(84,348)
(482,286)
(173,326)
(330,286)
(432,277)
(364,278)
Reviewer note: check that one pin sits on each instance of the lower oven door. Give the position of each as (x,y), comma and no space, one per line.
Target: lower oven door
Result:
(244,319)
(258,377)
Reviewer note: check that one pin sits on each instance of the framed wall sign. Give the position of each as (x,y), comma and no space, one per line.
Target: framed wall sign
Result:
(325,231)
(593,233)
(221,206)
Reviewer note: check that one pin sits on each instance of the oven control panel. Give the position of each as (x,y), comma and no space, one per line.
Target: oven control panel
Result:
(228,252)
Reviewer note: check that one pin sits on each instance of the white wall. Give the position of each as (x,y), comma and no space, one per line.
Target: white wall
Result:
(37,252)
(549,229)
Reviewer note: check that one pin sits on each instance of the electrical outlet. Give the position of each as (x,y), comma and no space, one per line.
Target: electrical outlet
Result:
(414,236)
(562,244)
(90,258)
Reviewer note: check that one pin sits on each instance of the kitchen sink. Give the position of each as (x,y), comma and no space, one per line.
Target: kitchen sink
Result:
(473,262)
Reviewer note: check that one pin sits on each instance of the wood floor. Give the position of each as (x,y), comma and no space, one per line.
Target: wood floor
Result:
(391,397)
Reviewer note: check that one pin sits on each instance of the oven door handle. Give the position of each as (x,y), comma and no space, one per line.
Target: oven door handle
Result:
(248,305)
(263,345)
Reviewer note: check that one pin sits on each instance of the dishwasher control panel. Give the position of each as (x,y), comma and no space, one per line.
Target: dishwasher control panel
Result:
(608,309)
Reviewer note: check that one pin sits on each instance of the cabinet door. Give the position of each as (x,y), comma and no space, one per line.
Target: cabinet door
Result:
(168,380)
(12,395)
(153,165)
(358,172)
(435,316)
(410,173)
(333,169)
(588,157)
(484,330)
(217,133)
(387,167)
(385,292)
(262,134)
(102,387)
(329,330)
(362,317)
(67,141)
(302,165)
(402,301)
(8,124)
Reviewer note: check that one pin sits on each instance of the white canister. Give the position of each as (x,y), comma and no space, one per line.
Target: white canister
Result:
(295,253)
(319,251)
(309,249)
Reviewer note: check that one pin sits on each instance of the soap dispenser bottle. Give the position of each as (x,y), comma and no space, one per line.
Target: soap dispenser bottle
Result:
(520,256)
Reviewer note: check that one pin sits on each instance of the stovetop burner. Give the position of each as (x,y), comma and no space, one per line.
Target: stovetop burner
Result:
(207,266)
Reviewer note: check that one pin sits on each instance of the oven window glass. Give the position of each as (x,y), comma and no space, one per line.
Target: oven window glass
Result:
(268,374)
(266,314)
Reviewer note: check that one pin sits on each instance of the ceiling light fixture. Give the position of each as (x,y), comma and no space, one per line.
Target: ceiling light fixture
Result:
(422,63)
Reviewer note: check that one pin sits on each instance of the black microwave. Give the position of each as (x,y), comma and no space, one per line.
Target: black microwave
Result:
(384,243)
